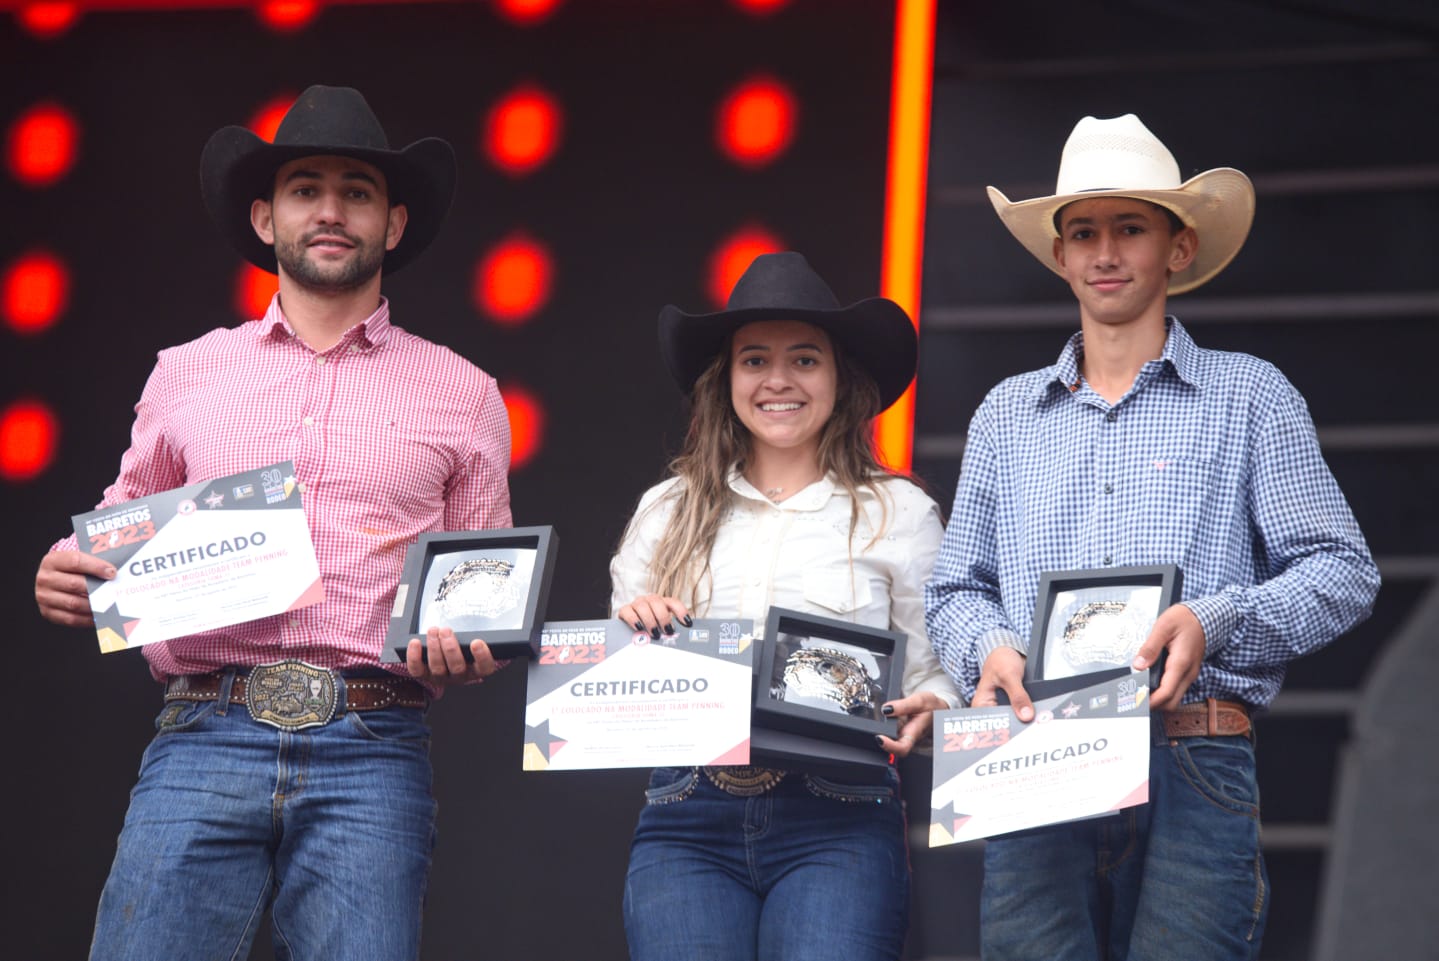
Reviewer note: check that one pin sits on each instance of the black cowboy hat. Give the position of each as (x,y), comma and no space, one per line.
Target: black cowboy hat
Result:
(236,167)
(876,333)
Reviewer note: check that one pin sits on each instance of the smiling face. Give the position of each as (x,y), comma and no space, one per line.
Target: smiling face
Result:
(782,383)
(330,222)
(1117,254)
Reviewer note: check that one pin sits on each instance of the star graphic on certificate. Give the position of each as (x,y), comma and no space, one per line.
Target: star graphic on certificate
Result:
(547,743)
(115,621)
(214,500)
(1070,709)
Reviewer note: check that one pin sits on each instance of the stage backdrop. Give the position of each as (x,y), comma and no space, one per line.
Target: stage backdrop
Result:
(613,157)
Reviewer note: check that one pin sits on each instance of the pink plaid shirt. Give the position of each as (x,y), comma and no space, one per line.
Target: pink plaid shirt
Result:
(391,436)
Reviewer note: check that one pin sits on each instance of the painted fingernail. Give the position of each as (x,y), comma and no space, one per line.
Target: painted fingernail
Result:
(670,630)
(655,633)
(887,710)
(687,621)
(639,625)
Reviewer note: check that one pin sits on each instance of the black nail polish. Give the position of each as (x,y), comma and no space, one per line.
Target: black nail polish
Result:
(687,621)
(879,742)
(655,633)
(639,625)
(887,710)
(670,630)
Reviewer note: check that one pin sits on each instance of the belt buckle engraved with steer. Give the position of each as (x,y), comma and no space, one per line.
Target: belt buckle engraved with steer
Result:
(290,695)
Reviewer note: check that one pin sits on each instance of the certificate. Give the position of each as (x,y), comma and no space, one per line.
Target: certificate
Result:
(1085,754)
(200,557)
(602,695)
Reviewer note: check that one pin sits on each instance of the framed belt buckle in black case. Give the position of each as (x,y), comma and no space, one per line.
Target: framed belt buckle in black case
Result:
(487,585)
(819,687)
(1089,624)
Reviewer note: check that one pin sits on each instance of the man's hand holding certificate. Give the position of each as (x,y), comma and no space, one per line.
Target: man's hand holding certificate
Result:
(200,557)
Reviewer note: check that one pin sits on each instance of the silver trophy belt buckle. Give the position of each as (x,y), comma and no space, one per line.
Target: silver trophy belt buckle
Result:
(291,695)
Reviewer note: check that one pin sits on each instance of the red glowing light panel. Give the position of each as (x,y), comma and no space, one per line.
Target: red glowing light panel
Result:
(526,12)
(34,291)
(527,424)
(760,8)
(733,257)
(49,18)
(285,16)
(756,121)
(42,145)
(512,281)
(522,130)
(265,121)
(29,434)
(254,289)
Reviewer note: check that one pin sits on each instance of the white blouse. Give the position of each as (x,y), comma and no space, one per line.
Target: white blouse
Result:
(794,554)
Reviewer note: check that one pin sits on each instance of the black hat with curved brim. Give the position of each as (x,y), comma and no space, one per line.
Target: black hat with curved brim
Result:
(236,167)
(876,332)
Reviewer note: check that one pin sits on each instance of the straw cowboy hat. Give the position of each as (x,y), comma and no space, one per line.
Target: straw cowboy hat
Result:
(236,167)
(876,332)
(1121,158)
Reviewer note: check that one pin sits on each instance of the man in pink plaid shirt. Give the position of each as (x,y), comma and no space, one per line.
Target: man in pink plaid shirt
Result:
(329,825)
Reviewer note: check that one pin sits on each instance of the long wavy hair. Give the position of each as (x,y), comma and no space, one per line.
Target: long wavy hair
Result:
(717,440)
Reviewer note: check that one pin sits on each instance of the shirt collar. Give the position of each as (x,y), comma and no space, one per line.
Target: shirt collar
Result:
(1180,354)
(370,332)
(812,498)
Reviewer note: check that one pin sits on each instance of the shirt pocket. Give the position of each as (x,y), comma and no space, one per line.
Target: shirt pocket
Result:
(393,463)
(1165,519)
(837,591)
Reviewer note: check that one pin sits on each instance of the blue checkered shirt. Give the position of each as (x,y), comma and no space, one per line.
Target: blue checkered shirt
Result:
(1209,462)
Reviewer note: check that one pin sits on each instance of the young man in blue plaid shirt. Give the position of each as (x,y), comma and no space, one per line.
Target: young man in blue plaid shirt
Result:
(1139,448)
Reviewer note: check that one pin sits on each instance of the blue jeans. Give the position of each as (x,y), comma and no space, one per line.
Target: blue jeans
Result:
(1179,877)
(811,870)
(331,827)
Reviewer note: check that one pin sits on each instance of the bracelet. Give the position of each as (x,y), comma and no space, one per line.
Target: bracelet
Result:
(828,675)
(1105,632)
(479,587)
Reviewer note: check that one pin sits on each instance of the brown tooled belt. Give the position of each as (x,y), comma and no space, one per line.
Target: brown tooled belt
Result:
(293,694)
(1207,718)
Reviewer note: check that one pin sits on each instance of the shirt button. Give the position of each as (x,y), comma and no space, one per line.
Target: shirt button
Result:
(1108,560)
(319,362)
(303,487)
(308,421)
(1109,488)
(1111,416)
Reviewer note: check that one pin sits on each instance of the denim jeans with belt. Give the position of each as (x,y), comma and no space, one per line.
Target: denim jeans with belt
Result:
(331,827)
(1179,877)
(810,870)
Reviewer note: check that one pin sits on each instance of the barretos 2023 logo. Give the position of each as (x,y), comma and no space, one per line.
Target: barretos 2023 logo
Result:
(573,646)
(131,526)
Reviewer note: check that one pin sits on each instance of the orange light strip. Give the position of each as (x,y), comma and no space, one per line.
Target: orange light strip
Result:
(911,87)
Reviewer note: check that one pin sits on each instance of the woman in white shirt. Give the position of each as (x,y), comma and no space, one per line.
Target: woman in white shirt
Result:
(778,499)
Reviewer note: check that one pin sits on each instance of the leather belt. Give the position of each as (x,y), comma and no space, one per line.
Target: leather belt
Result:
(1207,718)
(293,695)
